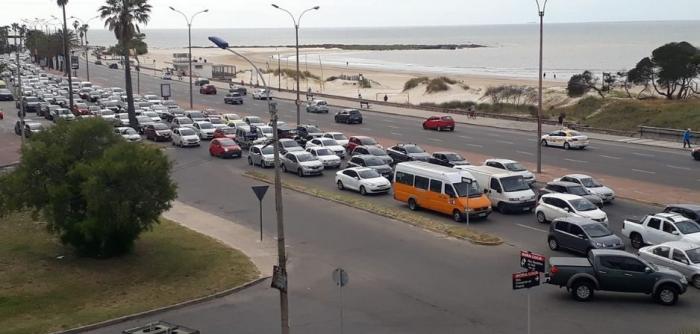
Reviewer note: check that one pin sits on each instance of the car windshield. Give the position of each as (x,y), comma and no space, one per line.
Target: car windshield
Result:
(266,130)
(187,132)
(144,119)
(215,121)
(321,103)
(106,112)
(590,183)
(329,142)
(324,152)
(196,115)
(596,230)
(253,119)
(32,99)
(305,157)
(577,191)
(515,167)
(454,157)
(514,183)
(150,114)
(374,162)
(35,126)
(583,204)
(694,255)
(368,174)
(368,141)
(232,117)
(339,136)
(66,112)
(312,129)
(160,126)
(268,150)
(206,126)
(185,121)
(688,227)
(463,189)
(376,151)
(413,149)
(290,143)
(129,131)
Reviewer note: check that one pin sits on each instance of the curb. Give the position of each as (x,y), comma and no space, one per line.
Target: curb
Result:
(163,309)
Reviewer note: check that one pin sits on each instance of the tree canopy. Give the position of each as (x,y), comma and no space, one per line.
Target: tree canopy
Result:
(671,70)
(96,191)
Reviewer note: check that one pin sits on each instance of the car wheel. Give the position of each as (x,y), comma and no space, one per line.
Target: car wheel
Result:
(567,146)
(696,281)
(637,241)
(340,185)
(667,295)
(541,218)
(553,244)
(452,129)
(501,208)
(412,204)
(363,191)
(457,216)
(425,127)
(300,172)
(582,290)
(250,161)
(544,143)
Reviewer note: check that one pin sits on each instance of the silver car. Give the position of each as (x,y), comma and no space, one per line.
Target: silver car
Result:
(261,155)
(677,255)
(302,163)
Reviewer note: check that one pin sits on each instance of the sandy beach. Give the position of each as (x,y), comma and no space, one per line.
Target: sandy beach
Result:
(384,82)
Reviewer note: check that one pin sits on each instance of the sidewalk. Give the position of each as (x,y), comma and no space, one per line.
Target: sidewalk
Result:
(262,254)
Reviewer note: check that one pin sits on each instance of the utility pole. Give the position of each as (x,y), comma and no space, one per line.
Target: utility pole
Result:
(541,10)
(279,72)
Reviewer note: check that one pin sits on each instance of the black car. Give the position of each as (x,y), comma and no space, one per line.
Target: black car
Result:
(238,89)
(6,95)
(408,152)
(696,154)
(349,116)
(372,150)
(114,66)
(448,159)
(31,103)
(157,132)
(690,211)
(98,62)
(306,131)
(560,187)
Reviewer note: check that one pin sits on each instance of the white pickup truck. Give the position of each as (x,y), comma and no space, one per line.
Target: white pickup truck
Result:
(660,228)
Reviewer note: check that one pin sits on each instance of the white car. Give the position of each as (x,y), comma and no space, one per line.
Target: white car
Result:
(327,157)
(263,131)
(166,76)
(185,137)
(681,256)
(261,94)
(153,99)
(261,155)
(216,121)
(253,120)
(153,115)
(327,143)
(511,166)
(204,129)
(339,138)
(364,180)
(553,206)
(565,138)
(128,133)
(593,186)
(230,118)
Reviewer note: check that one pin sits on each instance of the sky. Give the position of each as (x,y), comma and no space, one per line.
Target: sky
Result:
(369,13)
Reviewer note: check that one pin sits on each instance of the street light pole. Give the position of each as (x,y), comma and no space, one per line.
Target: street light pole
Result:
(297,22)
(281,250)
(540,10)
(189,47)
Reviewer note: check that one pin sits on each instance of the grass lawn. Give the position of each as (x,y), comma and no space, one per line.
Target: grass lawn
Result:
(40,292)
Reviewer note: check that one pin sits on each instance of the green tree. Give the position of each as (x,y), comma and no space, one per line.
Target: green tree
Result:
(137,44)
(96,191)
(123,18)
(580,84)
(671,69)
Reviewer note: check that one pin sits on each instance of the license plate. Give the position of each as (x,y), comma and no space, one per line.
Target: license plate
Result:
(483,214)
(526,209)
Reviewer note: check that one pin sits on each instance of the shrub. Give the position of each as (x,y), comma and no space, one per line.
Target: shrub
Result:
(415,82)
(436,85)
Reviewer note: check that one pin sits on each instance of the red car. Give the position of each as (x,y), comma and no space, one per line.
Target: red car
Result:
(439,123)
(81,109)
(225,132)
(224,148)
(361,141)
(207,90)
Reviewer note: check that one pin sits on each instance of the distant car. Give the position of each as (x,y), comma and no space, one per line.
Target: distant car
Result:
(565,138)
(317,106)
(696,153)
(233,98)
(364,180)
(261,94)
(185,137)
(439,123)
(327,143)
(253,120)
(181,122)
(207,90)
(588,182)
(553,206)
(512,166)
(114,66)
(238,89)
(361,141)
(559,187)
(196,115)
(289,145)
(370,161)
(448,159)
(225,132)
(580,235)
(30,128)
(303,163)
(308,130)
(224,148)
(204,129)
(407,152)
(230,118)
(80,109)
(62,114)
(374,151)
(98,62)
(157,132)
(143,122)
(6,95)
(201,82)
(327,157)
(690,211)
(338,137)
(166,76)
(261,155)
(349,116)
(128,133)
(683,257)
(216,121)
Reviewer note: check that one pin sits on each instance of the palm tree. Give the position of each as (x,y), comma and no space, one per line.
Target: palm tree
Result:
(123,18)
(66,55)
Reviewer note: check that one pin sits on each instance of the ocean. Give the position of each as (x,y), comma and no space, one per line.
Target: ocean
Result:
(512,50)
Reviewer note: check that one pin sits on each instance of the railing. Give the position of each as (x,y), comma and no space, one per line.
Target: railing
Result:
(651,132)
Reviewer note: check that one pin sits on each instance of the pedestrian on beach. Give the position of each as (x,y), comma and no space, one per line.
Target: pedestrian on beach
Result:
(686,138)
(544,75)
(555,76)
(561,118)
(386,98)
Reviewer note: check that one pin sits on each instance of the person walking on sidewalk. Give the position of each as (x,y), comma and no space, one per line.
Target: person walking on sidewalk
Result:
(686,138)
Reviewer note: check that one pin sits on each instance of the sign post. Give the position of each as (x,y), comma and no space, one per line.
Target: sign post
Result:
(535,264)
(260,194)
(341,279)
(165,92)
(532,262)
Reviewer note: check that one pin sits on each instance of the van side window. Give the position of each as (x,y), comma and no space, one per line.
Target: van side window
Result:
(450,191)
(436,186)
(495,186)
(422,182)
(404,178)
(562,226)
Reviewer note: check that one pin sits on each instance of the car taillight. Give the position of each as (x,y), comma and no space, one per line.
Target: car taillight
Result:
(553,270)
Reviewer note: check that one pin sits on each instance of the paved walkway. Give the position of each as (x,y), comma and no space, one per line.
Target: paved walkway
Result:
(262,254)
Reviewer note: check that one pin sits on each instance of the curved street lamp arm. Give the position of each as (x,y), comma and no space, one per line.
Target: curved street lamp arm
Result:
(288,12)
(183,15)
(541,8)
(306,11)
(197,13)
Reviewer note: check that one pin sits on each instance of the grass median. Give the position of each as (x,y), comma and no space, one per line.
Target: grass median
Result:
(460,232)
(45,288)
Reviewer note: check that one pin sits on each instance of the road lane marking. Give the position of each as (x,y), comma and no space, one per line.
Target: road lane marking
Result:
(388,121)
(465,137)
(396,134)
(435,139)
(526,153)
(505,142)
(610,157)
(533,228)
(579,161)
(474,145)
(643,171)
(311,120)
(677,167)
(393,127)
(643,154)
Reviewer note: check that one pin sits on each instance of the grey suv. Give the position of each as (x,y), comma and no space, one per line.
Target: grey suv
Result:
(580,235)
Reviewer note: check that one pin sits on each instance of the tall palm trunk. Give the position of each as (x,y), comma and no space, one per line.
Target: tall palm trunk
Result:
(129,89)
(66,58)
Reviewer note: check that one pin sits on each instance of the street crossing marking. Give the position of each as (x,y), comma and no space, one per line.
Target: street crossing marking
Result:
(465,137)
(393,127)
(474,145)
(643,154)
(505,142)
(579,161)
(677,167)
(435,139)
(643,171)
(396,134)
(533,228)
(526,153)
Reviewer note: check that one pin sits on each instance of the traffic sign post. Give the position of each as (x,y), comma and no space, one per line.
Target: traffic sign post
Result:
(532,261)
(535,264)
(165,92)
(260,194)
(341,279)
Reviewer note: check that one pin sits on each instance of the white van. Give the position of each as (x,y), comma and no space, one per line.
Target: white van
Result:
(508,191)
(86,84)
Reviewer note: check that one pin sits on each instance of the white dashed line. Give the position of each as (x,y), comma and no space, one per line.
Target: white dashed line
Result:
(643,154)
(396,134)
(505,142)
(533,228)
(393,127)
(388,121)
(579,161)
(525,153)
(610,157)
(435,139)
(474,145)
(643,171)
(311,120)
(676,167)
(465,137)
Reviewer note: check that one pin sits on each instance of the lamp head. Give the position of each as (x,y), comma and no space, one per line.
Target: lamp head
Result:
(171,8)
(205,11)
(273,5)
(317,7)
(219,42)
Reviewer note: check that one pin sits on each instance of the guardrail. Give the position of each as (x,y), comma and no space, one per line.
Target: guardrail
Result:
(651,132)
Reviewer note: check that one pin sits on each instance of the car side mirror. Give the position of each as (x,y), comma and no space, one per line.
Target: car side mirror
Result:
(648,270)
(675,233)
(357,178)
(499,191)
(582,236)
(486,191)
